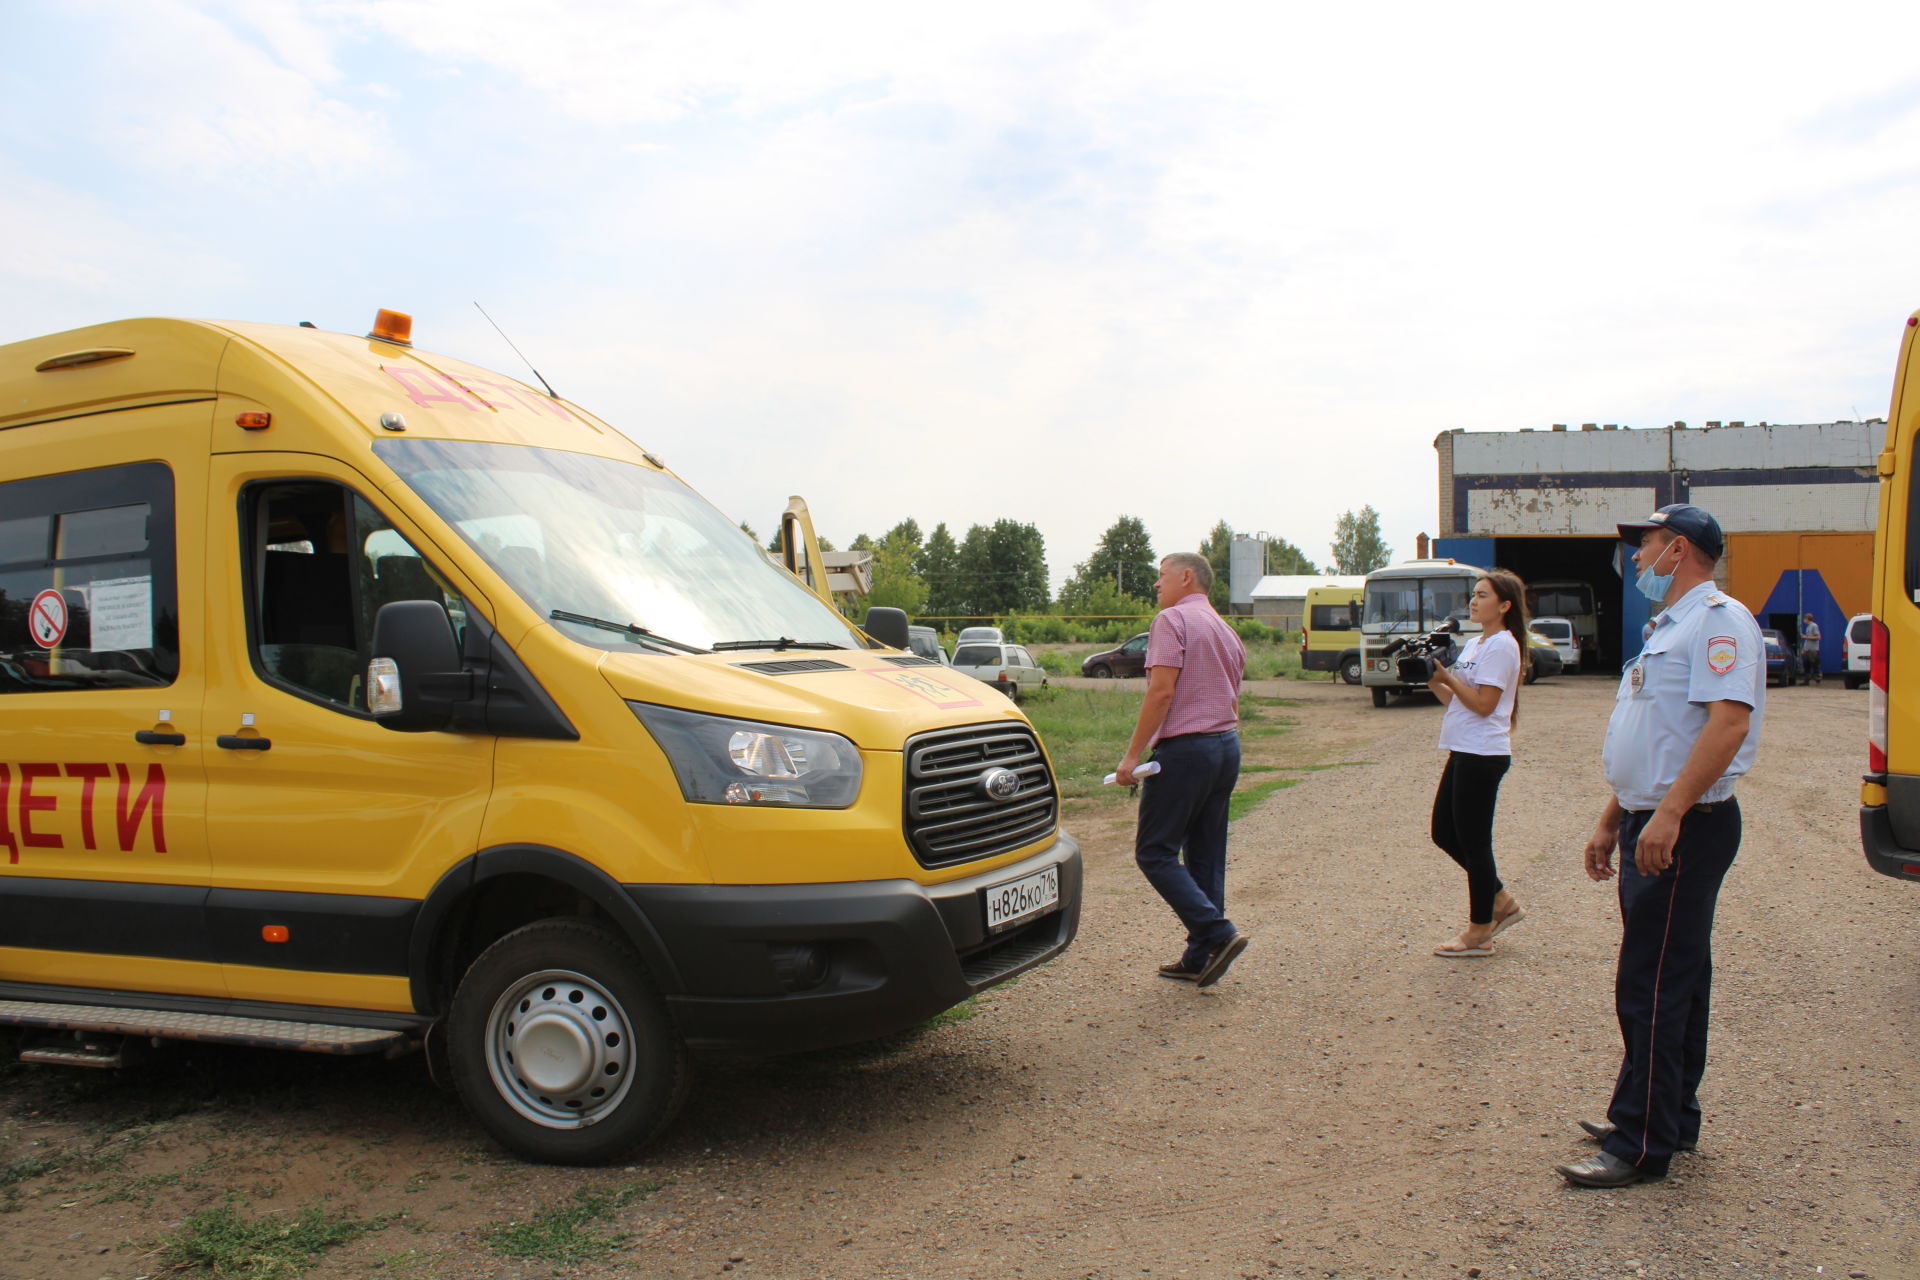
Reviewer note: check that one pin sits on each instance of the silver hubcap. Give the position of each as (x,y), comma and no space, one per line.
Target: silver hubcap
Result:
(559,1048)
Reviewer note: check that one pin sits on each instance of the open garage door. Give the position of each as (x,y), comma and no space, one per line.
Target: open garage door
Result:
(1587,561)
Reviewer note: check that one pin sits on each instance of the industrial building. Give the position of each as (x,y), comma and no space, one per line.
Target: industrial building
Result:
(1797,503)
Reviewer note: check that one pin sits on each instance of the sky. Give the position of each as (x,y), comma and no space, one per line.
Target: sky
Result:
(1056,262)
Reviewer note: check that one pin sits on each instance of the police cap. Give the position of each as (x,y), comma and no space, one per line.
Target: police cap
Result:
(1682,519)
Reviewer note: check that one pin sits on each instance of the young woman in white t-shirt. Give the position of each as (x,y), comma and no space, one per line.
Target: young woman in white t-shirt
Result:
(1479,691)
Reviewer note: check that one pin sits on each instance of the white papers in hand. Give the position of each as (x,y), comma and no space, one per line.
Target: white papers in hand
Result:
(1146,770)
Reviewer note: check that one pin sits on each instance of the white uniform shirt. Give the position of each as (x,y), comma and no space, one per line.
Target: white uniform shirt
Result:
(1487,659)
(1703,649)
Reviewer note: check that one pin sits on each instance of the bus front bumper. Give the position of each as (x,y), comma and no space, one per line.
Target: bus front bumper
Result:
(789,967)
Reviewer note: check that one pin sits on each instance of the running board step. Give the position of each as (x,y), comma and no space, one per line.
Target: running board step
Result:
(215,1028)
(79,1055)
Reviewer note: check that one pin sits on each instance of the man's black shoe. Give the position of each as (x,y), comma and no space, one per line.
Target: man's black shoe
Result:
(1179,972)
(1220,959)
(1604,1170)
(1600,1131)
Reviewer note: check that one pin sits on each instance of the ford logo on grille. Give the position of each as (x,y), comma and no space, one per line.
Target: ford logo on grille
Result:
(1000,784)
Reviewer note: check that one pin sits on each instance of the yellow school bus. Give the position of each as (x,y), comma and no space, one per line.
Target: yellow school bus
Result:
(358,699)
(1890,793)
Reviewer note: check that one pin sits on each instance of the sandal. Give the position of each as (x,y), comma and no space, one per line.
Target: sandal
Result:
(1514,916)
(1456,950)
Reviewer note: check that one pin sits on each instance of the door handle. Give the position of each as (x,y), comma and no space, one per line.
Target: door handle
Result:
(234,742)
(153,738)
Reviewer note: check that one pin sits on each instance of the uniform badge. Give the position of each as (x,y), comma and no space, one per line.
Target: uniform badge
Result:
(1637,677)
(1721,652)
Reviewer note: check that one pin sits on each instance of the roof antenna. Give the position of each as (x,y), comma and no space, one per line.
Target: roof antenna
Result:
(509,341)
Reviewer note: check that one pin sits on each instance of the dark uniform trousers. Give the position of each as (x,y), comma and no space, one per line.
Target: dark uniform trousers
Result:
(1662,986)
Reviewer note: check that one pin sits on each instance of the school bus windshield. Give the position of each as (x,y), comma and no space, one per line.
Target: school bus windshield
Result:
(605,539)
(1414,604)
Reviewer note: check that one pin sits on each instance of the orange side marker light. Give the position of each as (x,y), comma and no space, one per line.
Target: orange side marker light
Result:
(273,933)
(253,420)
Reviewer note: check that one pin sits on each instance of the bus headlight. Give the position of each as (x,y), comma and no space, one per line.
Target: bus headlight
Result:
(719,760)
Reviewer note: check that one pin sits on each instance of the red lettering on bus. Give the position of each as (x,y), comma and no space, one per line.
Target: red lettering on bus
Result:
(153,791)
(88,775)
(523,396)
(426,389)
(31,804)
(6,820)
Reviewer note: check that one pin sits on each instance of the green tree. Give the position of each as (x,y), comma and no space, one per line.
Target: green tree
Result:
(1218,549)
(895,584)
(907,532)
(1357,544)
(1098,598)
(748,530)
(1003,569)
(1124,557)
(861,542)
(1284,557)
(938,565)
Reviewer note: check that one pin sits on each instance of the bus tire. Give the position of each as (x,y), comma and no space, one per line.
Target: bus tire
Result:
(1350,668)
(1379,696)
(562,1047)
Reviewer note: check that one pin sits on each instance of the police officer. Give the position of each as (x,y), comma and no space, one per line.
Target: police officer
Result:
(1685,726)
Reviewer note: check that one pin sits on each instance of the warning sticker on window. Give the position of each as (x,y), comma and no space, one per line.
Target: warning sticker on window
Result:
(121,613)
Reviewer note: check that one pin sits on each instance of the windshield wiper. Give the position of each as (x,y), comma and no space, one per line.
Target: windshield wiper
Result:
(640,634)
(784,642)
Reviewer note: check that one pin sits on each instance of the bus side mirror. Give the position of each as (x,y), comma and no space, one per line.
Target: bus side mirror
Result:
(414,679)
(888,626)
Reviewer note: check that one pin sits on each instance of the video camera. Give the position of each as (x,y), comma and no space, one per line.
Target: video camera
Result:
(1418,654)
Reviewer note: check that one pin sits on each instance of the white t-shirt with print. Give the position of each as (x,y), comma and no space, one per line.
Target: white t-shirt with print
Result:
(1488,659)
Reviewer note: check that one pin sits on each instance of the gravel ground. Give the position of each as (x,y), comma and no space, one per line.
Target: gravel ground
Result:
(1343,1104)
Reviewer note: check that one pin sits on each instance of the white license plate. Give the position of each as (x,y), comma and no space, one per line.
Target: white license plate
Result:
(1016,900)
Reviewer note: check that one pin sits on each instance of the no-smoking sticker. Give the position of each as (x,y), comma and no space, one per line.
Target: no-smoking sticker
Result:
(47,618)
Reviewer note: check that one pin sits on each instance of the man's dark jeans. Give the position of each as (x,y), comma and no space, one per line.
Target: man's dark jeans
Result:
(1184,807)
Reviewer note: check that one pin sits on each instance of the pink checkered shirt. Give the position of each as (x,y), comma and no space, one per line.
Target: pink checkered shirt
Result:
(1188,634)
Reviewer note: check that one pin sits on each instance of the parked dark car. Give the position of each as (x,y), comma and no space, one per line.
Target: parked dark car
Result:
(1130,659)
(1780,659)
(1545,661)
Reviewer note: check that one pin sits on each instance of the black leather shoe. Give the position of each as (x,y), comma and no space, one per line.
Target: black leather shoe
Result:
(1220,959)
(1600,1131)
(1604,1170)
(1179,972)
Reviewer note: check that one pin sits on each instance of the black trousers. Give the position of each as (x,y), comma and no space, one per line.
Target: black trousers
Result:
(1661,989)
(1463,824)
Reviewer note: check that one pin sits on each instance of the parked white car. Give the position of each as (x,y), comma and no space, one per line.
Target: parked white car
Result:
(1007,667)
(1564,636)
(1859,649)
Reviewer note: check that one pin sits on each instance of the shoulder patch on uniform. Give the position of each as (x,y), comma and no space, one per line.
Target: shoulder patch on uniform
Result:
(1716,599)
(1722,652)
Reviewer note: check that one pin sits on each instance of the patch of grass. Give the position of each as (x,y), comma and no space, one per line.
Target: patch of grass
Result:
(270,1247)
(965,1011)
(1245,800)
(25,1168)
(1264,700)
(1085,731)
(16,1173)
(1259,768)
(570,1231)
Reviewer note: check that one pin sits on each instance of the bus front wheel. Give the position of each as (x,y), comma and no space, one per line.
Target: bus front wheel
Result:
(562,1047)
(1379,696)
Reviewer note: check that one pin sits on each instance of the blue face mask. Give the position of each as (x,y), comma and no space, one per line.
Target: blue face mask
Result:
(1654,586)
